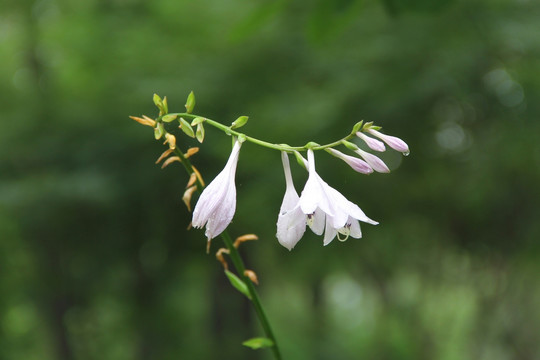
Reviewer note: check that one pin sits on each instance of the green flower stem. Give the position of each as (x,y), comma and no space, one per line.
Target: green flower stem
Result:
(240,268)
(280,147)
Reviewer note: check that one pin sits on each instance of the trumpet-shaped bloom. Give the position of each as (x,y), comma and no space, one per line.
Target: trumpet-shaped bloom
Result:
(291,223)
(326,208)
(373,144)
(217,203)
(392,141)
(357,164)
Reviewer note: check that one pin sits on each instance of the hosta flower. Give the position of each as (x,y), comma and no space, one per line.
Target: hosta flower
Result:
(392,141)
(357,164)
(326,208)
(291,223)
(217,203)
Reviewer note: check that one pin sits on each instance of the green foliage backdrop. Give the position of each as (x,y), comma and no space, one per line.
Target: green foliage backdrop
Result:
(95,258)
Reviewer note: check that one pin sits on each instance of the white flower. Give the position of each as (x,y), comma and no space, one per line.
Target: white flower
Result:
(373,144)
(392,141)
(373,161)
(328,209)
(357,164)
(217,203)
(291,223)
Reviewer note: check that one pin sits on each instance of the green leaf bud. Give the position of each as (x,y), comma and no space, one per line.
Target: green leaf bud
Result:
(241,121)
(190,103)
(184,125)
(165,105)
(238,284)
(367,126)
(199,134)
(169,118)
(258,343)
(197,121)
(300,159)
(357,127)
(157,101)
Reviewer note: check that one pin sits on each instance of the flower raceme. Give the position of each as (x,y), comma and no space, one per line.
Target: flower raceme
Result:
(217,203)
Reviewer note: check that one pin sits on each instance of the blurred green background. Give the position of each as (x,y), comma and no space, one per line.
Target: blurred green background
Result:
(95,258)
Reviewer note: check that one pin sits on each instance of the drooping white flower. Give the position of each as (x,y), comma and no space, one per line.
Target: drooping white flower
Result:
(291,223)
(326,208)
(373,161)
(373,144)
(357,164)
(217,203)
(392,141)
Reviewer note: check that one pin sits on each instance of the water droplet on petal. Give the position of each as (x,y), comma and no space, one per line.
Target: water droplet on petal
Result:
(406,153)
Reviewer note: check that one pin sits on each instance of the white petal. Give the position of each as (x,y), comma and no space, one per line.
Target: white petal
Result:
(313,196)
(316,221)
(329,232)
(291,226)
(355,212)
(355,229)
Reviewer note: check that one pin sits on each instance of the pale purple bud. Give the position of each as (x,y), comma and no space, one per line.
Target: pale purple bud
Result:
(392,141)
(373,161)
(357,164)
(373,144)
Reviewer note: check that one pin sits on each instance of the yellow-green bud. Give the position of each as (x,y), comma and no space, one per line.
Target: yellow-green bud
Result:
(184,125)
(200,132)
(190,103)
(197,121)
(165,105)
(159,131)
(169,118)
(357,127)
(241,121)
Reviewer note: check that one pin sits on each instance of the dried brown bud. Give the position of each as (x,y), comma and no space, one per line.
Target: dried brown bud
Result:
(164,155)
(221,259)
(145,120)
(187,196)
(198,175)
(170,161)
(252,276)
(191,151)
(244,238)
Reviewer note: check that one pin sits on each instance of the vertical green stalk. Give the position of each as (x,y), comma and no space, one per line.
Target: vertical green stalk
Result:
(240,269)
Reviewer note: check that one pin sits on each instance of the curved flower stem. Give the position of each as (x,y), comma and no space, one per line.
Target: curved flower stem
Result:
(280,147)
(240,268)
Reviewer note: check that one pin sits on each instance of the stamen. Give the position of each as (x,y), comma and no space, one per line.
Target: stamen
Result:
(345,231)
